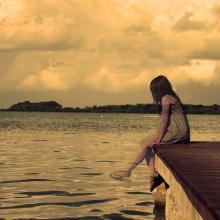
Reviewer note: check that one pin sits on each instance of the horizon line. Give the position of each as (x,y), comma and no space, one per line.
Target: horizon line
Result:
(101,104)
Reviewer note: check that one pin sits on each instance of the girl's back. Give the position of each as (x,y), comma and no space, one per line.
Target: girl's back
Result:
(178,130)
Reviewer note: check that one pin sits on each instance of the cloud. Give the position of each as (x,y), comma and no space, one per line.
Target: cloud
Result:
(201,71)
(112,81)
(209,49)
(9,8)
(114,47)
(31,29)
(185,23)
(48,79)
(216,10)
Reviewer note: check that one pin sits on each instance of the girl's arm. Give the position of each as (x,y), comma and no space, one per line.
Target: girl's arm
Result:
(164,119)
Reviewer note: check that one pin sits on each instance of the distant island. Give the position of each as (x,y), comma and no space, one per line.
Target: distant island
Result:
(53,106)
(36,106)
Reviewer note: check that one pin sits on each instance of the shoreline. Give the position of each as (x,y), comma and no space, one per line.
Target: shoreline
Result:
(140,113)
(139,108)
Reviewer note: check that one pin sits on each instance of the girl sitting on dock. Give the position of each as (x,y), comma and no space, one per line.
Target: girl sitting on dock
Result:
(173,129)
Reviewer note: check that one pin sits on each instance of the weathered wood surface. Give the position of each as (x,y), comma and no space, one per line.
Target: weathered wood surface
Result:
(193,173)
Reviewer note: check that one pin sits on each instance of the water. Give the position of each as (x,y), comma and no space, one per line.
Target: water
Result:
(55,165)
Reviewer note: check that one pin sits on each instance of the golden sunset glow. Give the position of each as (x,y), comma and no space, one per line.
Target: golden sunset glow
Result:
(85,52)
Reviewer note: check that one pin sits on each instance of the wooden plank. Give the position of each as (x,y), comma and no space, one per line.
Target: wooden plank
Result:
(196,168)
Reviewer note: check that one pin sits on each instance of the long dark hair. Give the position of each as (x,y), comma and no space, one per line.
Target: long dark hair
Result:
(161,86)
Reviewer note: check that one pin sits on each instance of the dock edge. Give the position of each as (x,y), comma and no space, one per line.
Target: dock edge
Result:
(178,206)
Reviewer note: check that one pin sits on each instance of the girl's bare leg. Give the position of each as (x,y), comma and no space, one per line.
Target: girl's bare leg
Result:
(154,177)
(141,154)
(144,152)
(150,162)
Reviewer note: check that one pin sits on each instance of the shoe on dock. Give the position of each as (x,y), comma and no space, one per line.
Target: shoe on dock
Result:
(155,182)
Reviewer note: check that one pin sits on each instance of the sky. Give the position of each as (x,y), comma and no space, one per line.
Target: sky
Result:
(98,52)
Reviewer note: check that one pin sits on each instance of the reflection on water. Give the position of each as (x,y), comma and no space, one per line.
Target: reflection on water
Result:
(55,165)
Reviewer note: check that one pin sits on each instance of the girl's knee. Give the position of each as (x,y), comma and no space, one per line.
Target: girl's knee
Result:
(143,141)
(147,142)
(144,146)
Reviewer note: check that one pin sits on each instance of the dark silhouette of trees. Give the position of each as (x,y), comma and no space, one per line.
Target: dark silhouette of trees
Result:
(53,106)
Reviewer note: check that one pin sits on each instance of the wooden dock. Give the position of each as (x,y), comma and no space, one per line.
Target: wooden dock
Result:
(193,173)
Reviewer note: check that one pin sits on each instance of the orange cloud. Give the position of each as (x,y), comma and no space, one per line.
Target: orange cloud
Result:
(110,46)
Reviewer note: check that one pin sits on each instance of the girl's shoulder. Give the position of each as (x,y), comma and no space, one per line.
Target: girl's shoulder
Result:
(169,99)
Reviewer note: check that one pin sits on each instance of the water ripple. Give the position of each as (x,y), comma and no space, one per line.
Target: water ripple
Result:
(25,180)
(69,204)
(139,193)
(91,174)
(116,216)
(56,193)
(144,203)
(85,168)
(134,212)
(40,140)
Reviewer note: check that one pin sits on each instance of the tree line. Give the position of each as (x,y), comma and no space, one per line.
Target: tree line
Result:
(53,106)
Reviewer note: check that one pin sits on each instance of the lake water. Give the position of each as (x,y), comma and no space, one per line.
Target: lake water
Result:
(55,165)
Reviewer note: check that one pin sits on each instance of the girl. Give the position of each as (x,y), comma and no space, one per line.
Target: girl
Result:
(173,129)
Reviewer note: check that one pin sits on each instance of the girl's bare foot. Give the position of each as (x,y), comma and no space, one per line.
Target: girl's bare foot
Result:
(120,175)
